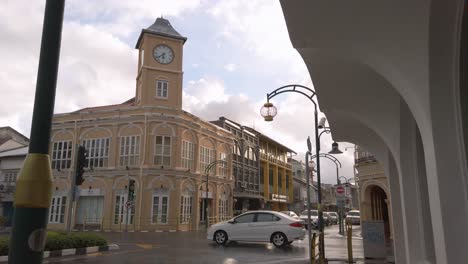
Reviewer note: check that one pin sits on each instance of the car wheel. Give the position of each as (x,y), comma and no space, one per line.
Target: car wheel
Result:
(220,237)
(279,239)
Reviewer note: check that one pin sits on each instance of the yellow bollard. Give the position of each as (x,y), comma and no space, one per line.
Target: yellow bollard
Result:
(312,247)
(349,231)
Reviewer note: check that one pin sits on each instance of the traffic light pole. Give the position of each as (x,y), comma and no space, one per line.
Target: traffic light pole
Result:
(34,186)
(72,190)
(130,200)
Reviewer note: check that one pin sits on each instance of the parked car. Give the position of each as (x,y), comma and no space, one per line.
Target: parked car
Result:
(313,218)
(333,217)
(326,219)
(353,217)
(290,213)
(258,226)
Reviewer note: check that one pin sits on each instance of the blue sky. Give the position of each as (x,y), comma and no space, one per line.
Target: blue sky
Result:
(236,52)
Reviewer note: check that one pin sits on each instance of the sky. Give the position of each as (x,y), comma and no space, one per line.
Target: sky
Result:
(236,53)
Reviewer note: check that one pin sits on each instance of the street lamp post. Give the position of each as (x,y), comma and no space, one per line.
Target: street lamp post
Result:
(337,163)
(335,160)
(207,172)
(268,112)
(309,226)
(346,180)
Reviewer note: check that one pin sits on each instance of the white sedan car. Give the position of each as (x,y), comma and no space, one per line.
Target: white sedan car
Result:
(258,226)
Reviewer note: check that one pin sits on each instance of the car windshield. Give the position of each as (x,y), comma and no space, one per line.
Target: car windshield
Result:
(353,213)
(312,212)
(332,214)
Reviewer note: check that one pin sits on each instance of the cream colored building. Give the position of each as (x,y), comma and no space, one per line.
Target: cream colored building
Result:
(148,139)
(374,193)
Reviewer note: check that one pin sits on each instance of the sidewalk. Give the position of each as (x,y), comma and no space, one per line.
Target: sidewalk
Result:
(336,247)
(336,250)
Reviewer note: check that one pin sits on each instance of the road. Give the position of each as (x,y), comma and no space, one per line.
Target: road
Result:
(193,247)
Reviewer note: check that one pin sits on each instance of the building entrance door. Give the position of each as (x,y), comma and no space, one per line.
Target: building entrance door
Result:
(203,209)
(379,207)
(124,211)
(89,210)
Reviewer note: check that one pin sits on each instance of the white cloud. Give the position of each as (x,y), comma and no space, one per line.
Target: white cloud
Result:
(230,67)
(259,26)
(121,17)
(204,90)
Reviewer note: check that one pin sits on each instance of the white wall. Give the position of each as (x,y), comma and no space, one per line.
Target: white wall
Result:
(386,75)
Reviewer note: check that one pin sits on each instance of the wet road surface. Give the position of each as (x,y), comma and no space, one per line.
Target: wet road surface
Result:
(193,247)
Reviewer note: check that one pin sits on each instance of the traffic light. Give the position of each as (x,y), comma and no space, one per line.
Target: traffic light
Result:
(80,164)
(131,190)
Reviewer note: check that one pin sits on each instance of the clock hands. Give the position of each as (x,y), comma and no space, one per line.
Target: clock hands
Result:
(163,55)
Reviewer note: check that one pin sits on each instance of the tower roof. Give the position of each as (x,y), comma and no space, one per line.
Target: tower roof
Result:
(161,27)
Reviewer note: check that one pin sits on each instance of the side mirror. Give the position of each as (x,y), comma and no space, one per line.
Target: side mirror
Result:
(232,221)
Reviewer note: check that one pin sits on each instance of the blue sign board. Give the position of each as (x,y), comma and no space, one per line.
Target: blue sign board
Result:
(373,238)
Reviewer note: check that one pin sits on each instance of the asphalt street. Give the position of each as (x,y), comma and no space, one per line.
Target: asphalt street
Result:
(193,247)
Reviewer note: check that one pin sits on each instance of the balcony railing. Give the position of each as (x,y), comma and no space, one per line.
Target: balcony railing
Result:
(7,187)
(365,159)
(275,160)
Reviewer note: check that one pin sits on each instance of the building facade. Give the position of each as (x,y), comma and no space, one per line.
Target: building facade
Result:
(11,139)
(150,140)
(275,174)
(375,201)
(300,187)
(245,166)
(13,151)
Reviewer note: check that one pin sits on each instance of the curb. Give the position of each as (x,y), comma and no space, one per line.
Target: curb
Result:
(72,251)
(141,231)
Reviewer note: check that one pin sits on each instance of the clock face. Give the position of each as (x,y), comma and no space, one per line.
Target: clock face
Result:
(163,54)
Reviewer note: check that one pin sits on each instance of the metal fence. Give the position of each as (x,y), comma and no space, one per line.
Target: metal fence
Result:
(216,219)
(132,223)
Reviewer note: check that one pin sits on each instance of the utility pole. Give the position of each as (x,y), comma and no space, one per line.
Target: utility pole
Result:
(130,200)
(77,179)
(34,186)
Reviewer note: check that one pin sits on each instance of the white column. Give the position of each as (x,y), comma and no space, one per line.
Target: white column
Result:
(414,193)
(400,240)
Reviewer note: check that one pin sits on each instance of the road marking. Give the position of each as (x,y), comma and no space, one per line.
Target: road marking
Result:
(145,246)
(280,261)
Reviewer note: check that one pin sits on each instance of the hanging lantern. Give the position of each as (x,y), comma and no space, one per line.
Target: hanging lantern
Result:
(268,111)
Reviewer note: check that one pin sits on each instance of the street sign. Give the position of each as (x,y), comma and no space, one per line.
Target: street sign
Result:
(340,190)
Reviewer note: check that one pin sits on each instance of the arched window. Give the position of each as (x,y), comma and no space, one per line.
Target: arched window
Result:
(223,207)
(187,154)
(162,150)
(160,208)
(129,150)
(186,201)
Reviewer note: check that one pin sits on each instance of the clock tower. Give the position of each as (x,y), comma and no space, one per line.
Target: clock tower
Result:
(159,78)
